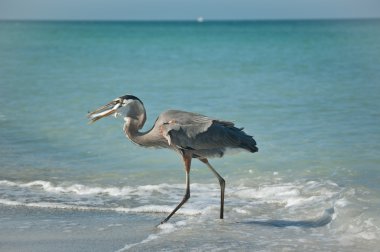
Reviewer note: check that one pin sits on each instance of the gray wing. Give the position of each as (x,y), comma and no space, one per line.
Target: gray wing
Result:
(202,134)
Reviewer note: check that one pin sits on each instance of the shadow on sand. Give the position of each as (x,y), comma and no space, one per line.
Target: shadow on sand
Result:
(325,219)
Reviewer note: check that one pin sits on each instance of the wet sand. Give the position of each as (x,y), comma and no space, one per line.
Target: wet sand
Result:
(25,229)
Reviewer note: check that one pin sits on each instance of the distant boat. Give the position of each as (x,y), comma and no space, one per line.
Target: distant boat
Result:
(200,19)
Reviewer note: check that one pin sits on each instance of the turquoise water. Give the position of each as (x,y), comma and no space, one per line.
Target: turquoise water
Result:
(309,92)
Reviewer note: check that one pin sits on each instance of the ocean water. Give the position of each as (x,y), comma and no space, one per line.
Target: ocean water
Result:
(309,92)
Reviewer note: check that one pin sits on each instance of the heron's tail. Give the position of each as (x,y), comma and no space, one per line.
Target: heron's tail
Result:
(249,145)
(238,138)
(246,141)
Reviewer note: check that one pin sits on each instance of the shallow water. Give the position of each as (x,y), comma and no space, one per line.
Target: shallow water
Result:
(307,90)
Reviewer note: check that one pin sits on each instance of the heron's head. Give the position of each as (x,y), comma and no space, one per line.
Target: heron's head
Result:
(127,106)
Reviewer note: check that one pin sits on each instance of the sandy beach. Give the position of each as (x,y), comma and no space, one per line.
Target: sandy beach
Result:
(28,229)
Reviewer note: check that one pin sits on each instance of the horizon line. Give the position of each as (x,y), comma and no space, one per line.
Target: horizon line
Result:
(189,20)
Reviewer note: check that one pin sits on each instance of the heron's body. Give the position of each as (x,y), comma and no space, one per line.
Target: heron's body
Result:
(191,135)
(189,132)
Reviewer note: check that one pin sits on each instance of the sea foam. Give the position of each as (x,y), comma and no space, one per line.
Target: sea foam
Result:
(144,199)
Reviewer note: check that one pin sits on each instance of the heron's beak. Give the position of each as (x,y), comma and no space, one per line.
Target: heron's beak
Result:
(104,111)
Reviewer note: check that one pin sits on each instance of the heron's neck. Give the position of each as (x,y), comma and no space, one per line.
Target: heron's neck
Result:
(131,129)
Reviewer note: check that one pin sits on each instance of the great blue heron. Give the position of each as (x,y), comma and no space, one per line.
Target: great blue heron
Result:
(191,135)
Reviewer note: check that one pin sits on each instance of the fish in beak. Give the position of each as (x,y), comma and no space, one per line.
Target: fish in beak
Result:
(104,111)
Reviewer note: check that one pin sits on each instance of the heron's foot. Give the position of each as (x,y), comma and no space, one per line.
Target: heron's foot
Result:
(159,224)
(162,222)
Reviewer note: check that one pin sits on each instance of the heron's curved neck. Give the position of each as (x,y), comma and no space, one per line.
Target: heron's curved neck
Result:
(131,129)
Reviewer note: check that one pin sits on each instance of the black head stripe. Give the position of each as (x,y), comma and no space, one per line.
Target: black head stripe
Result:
(130,97)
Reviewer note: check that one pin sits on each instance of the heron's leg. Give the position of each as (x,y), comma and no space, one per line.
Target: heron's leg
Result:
(187,161)
(222,183)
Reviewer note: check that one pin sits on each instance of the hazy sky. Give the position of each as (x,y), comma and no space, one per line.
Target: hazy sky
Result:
(187,9)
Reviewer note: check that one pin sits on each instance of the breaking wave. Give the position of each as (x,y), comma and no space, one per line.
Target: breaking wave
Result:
(162,198)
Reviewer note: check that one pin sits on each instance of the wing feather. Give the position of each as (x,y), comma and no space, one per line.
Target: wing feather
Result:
(180,127)
(198,132)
